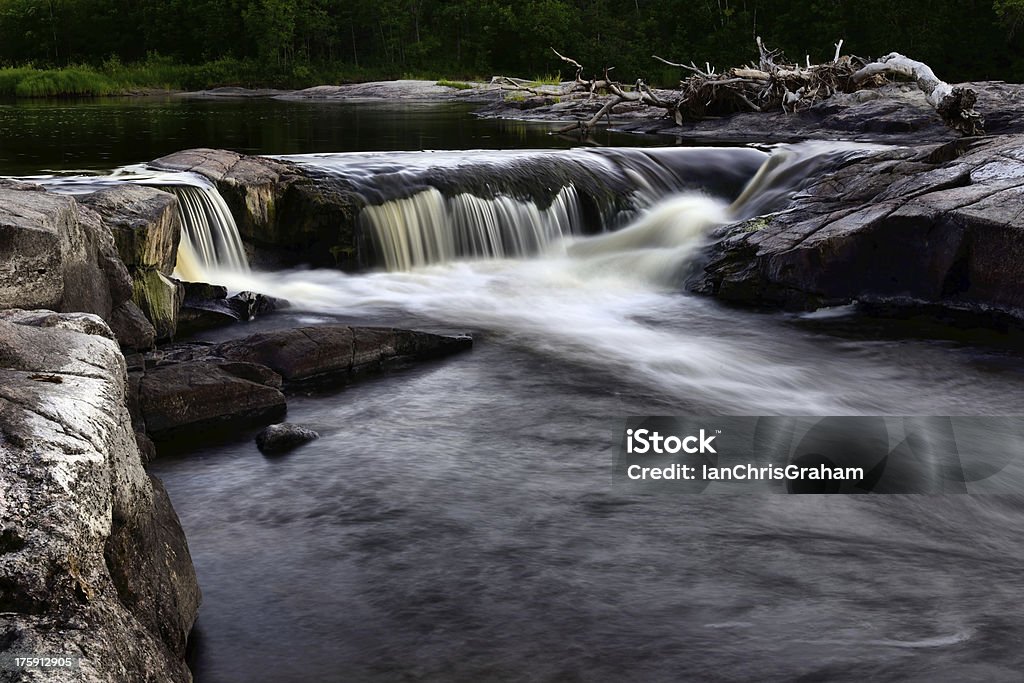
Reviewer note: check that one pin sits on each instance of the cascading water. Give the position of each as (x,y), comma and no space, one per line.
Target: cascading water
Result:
(428,208)
(431,228)
(210,240)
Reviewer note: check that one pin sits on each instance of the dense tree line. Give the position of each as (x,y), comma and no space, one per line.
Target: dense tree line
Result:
(962,39)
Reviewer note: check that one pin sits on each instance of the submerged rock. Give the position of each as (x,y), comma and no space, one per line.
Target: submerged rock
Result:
(93,561)
(284,437)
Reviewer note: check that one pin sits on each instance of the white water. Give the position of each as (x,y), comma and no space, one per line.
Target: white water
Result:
(431,228)
(209,237)
(589,301)
(210,241)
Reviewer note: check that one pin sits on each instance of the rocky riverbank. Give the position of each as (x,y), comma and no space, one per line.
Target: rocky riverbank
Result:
(934,229)
(93,560)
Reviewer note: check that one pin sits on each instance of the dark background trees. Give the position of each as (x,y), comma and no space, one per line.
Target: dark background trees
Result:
(961,39)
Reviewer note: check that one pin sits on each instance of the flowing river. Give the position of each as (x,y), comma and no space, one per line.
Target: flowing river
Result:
(457,521)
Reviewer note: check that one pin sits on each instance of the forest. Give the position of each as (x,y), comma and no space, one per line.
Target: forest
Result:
(302,42)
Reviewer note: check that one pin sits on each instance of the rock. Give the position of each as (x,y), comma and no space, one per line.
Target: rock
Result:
(897,113)
(331,354)
(145,223)
(199,388)
(208,306)
(287,216)
(160,298)
(93,560)
(938,225)
(134,331)
(54,256)
(283,437)
(192,398)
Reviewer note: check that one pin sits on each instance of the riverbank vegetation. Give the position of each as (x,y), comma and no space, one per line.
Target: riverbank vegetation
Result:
(72,47)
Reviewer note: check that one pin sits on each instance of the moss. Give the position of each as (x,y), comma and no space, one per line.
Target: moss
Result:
(756,224)
(159,298)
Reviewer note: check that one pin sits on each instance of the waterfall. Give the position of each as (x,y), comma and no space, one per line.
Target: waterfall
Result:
(209,234)
(426,208)
(431,228)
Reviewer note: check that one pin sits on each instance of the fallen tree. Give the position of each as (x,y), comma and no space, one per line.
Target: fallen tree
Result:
(770,85)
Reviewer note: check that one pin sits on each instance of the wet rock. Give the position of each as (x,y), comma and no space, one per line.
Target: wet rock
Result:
(189,398)
(159,298)
(208,306)
(283,437)
(285,215)
(329,354)
(93,561)
(938,225)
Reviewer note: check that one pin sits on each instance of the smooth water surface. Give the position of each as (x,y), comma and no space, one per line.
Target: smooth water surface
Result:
(105,133)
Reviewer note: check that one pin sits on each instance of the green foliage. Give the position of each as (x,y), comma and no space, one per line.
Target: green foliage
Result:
(204,43)
(458,85)
(69,82)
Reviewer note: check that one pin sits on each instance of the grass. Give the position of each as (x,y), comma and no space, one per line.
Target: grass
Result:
(113,77)
(458,85)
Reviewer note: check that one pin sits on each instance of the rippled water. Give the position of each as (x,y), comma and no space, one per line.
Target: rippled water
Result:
(458,522)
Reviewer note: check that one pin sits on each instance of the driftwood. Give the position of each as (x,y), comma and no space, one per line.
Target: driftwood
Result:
(770,85)
(954,104)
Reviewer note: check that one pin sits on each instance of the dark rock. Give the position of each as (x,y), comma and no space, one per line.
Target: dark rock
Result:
(94,561)
(189,398)
(282,213)
(134,331)
(330,354)
(939,225)
(208,306)
(251,304)
(283,437)
(203,291)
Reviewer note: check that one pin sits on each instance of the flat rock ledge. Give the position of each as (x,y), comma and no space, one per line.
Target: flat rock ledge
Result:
(93,561)
(935,226)
(191,388)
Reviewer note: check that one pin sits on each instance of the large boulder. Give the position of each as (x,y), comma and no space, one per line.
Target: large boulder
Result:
(54,256)
(145,223)
(93,561)
(190,398)
(941,226)
(283,213)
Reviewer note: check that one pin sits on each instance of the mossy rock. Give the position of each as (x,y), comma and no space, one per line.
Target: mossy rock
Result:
(160,298)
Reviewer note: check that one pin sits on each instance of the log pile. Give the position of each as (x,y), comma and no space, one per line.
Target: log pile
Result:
(771,84)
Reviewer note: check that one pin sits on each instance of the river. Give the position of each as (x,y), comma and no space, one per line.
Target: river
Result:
(457,521)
